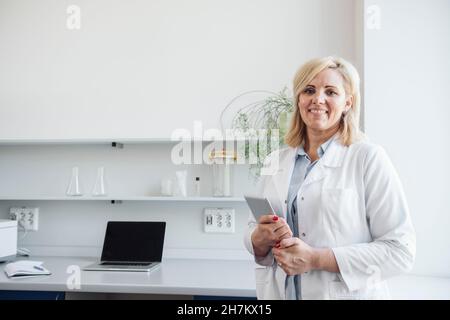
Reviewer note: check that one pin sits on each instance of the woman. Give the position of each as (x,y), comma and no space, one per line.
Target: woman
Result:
(342,226)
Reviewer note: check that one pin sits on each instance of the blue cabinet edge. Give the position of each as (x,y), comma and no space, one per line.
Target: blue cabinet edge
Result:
(31,295)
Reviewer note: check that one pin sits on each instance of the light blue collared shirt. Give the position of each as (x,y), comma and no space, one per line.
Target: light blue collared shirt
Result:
(302,168)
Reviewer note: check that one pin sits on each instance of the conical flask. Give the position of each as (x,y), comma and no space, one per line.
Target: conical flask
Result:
(74,188)
(99,186)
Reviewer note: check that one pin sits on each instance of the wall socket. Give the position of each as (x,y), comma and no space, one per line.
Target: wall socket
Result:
(219,220)
(27,218)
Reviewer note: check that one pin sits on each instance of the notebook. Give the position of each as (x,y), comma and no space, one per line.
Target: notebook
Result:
(25,268)
(131,246)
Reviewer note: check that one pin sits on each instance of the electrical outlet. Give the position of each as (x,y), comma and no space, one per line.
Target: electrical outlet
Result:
(219,220)
(27,218)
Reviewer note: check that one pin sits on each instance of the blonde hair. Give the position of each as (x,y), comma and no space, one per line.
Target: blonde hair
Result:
(349,123)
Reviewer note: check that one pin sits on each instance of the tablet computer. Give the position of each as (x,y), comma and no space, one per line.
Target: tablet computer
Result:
(259,206)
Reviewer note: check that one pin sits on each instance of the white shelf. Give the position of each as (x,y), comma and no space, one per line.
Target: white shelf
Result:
(124,198)
(18,142)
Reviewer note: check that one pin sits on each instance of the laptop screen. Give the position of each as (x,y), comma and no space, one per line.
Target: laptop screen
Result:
(133,241)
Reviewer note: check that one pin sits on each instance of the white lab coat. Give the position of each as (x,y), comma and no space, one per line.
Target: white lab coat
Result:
(352,202)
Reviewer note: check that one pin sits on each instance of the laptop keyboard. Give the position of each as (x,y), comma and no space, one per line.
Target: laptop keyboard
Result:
(124,264)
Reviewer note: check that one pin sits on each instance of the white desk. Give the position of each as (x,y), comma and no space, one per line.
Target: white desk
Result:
(412,287)
(232,278)
(174,276)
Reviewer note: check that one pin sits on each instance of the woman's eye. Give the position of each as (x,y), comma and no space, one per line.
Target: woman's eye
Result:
(331,93)
(308,91)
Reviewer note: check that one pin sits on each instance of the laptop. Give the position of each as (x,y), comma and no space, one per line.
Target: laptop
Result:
(131,246)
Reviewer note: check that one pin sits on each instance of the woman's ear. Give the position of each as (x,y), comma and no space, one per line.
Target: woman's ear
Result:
(348,103)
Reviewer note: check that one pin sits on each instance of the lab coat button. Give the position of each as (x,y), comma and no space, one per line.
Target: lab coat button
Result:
(303,234)
(303,198)
(285,201)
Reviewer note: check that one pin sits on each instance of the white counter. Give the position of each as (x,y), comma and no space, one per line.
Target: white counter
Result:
(232,278)
(174,276)
(412,287)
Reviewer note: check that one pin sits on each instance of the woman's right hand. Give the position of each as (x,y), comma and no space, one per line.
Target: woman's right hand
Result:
(270,230)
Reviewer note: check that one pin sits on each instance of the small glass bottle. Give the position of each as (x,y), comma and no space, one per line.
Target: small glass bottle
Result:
(197,187)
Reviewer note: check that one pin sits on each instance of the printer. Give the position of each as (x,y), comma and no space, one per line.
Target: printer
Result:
(8,240)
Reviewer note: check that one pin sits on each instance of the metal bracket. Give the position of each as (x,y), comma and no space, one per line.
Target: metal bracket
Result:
(117,145)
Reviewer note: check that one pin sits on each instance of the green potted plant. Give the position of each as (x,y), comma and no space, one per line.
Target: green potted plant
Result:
(258,121)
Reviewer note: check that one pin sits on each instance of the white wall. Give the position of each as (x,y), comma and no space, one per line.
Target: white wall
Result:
(140,69)
(407,81)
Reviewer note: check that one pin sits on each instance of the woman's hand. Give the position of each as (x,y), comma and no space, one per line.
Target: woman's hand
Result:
(270,230)
(295,256)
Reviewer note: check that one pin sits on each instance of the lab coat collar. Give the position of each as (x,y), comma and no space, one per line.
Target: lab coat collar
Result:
(333,158)
(334,155)
(320,151)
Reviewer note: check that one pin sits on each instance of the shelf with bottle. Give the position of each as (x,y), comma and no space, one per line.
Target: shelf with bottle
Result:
(115,142)
(119,198)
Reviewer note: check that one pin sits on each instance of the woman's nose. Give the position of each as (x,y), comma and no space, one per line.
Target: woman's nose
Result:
(319,98)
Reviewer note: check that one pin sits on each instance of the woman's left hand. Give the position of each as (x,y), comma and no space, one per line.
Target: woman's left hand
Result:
(295,256)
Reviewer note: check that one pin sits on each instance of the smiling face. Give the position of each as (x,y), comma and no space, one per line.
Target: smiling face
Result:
(322,103)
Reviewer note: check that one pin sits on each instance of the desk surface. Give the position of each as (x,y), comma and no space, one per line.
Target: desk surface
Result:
(232,278)
(174,276)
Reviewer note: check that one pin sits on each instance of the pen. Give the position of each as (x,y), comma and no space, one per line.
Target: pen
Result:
(39,268)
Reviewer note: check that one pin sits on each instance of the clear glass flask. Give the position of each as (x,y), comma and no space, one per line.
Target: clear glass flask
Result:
(74,188)
(100,185)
